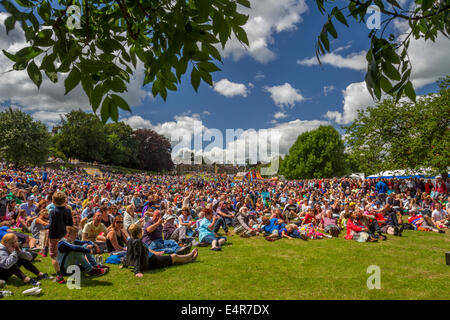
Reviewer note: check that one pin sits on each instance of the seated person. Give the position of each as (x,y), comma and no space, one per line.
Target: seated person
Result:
(153,237)
(117,236)
(12,257)
(206,233)
(225,218)
(329,224)
(80,253)
(271,227)
(172,232)
(143,258)
(243,223)
(440,218)
(95,231)
(22,238)
(39,230)
(355,229)
(391,226)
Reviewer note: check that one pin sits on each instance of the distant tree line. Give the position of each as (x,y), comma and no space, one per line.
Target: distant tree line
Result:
(82,136)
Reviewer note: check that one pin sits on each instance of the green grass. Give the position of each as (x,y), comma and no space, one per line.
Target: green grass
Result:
(412,267)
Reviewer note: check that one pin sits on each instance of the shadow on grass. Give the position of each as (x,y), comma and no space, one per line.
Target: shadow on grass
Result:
(94,282)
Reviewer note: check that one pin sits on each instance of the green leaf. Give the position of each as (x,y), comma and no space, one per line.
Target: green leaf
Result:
(72,80)
(391,56)
(52,75)
(96,97)
(113,111)
(331,30)
(409,91)
(21,65)
(35,74)
(87,84)
(427,4)
(245,3)
(9,23)
(25,3)
(324,39)
(10,56)
(390,71)
(28,53)
(241,35)
(105,111)
(208,66)
(120,102)
(195,79)
(338,14)
(385,84)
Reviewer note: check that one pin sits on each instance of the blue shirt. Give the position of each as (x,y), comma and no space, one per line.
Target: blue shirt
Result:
(272,226)
(203,230)
(3,231)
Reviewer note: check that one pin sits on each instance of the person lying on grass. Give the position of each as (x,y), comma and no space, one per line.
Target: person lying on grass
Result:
(75,252)
(142,258)
(291,231)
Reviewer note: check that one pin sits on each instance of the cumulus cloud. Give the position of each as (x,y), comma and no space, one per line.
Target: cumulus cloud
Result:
(49,102)
(230,89)
(266,18)
(284,95)
(429,63)
(225,147)
(355,61)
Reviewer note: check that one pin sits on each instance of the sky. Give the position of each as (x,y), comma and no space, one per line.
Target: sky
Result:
(275,86)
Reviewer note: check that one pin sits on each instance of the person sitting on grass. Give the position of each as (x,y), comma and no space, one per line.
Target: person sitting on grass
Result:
(243,223)
(206,233)
(117,236)
(39,226)
(96,231)
(153,237)
(142,258)
(271,228)
(225,218)
(440,218)
(12,258)
(355,230)
(80,253)
(329,224)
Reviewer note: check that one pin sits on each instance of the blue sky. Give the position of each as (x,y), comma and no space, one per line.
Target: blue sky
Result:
(272,84)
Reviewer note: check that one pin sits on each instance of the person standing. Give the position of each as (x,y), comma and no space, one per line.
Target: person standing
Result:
(59,218)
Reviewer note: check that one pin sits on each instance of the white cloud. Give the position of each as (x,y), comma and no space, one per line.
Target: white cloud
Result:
(429,63)
(230,89)
(137,122)
(49,102)
(285,95)
(328,89)
(267,17)
(355,61)
(280,115)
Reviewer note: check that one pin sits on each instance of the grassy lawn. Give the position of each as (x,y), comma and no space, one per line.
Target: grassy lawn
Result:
(412,267)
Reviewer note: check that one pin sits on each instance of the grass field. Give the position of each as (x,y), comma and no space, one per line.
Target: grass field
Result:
(412,267)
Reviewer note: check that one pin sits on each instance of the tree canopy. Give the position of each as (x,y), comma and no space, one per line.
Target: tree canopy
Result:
(101,47)
(317,153)
(23,140)
(411,136)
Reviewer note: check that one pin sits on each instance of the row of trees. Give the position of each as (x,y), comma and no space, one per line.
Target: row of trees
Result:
(388,136)
(82,136)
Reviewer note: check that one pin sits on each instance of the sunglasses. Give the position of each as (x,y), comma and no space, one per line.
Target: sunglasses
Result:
(119,221)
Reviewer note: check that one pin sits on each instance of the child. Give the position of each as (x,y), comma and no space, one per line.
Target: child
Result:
(60,217)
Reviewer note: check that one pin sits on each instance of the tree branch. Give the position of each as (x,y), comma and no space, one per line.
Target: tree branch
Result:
(126,16)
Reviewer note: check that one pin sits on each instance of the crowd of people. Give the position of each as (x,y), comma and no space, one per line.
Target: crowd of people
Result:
(150,222)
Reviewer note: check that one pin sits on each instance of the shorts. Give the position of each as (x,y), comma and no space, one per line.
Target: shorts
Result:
(53,248)
(159,262)
(210,239)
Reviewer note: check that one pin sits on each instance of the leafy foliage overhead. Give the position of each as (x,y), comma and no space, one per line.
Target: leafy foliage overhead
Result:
(113,36)
(388,64)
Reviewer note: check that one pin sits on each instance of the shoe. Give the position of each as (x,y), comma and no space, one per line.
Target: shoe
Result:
(183,250)
(98,271)
(44,277)
(441,231)
(43,254)
(60,280)
(202,244)
(372,239)
(32,292)
(383,237)
(245,235)
(396,230)
(216,249)
(33,283)
(303,236)
(102,266)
